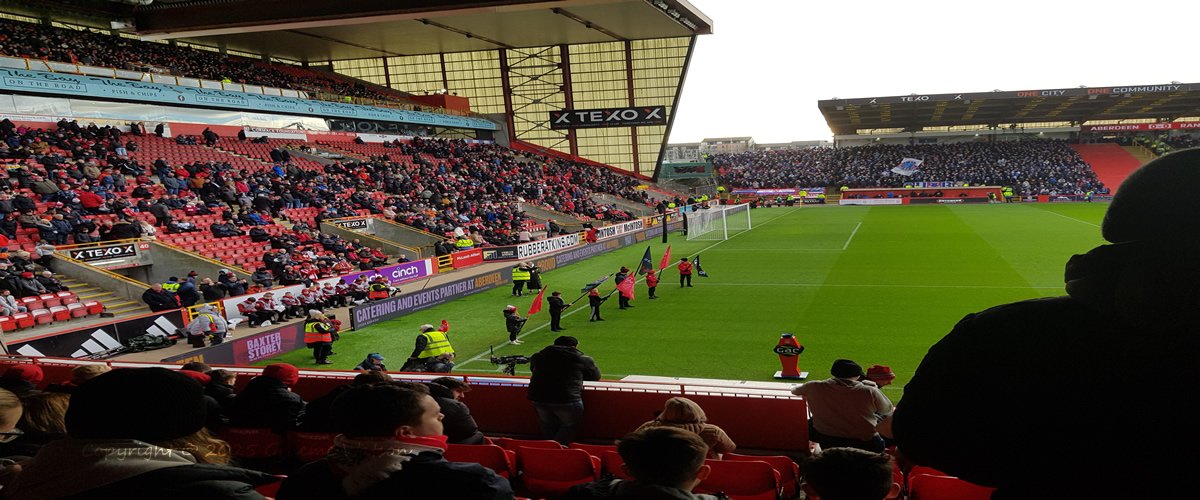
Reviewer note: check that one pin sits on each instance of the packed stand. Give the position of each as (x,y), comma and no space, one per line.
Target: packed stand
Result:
(1030,167)
(35,41)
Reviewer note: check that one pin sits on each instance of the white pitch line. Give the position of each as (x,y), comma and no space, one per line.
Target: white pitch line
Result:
(1081,221)
(852,233)
(818,285)
(479,356)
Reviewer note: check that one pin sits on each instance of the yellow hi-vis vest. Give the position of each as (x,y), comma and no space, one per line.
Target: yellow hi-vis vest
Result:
(464,243)
(438,345)
(519,274)
(171,287)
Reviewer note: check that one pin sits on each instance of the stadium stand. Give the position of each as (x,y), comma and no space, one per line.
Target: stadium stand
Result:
(1030,167)
(1111,162)
(84,47)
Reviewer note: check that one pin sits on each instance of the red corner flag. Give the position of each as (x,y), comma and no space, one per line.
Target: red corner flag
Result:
(626,286)
(445,328)
(666,260)
(537,303)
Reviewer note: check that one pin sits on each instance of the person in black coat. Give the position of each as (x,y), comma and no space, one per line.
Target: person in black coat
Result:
(268,401)
(1130,306)
(159,299)
(622,300)
(594,301)
(556,387)
(457,424)
(556,308)
(513,323)
(391,446)
(221,389)
(318,413)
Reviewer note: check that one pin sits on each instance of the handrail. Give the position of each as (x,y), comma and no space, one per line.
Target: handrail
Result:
(99,243)
(201,257)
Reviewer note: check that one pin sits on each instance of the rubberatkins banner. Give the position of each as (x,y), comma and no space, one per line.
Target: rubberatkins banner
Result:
(609,117)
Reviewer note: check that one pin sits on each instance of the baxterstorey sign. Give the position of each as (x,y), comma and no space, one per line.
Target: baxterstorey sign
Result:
(610,117)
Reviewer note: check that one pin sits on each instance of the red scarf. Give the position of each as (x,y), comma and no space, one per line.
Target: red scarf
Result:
(440,442)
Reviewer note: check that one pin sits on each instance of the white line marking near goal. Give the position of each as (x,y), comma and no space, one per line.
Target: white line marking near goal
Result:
(863,285)
(1081,221)
(852,233)
(480,356)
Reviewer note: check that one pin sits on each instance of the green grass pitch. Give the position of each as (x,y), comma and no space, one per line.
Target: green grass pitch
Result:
(873,284)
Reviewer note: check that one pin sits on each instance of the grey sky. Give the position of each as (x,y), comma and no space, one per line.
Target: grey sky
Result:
(769,61)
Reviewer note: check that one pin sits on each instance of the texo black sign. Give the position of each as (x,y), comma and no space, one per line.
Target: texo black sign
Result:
(104,253)
(611,117)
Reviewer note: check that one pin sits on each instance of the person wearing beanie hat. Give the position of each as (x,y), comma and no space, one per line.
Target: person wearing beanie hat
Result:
(391,445)
(845,410)
(556,387)
(373,362)
(513,323)
(154,447)
(22,379)
(994,388)
(268,400)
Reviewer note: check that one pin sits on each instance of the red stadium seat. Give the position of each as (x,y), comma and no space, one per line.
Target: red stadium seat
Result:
(789,471)
(7,324)
(93,307)
(742,480)
(60,313)
(24,320)
(594,450)
(42,316)
(31,303)
(500,460)
(254,443)
(547,472)
(67,298)
(49,300)
(611,463)
(310,446)
(514,444)
(933,487)
(77,310)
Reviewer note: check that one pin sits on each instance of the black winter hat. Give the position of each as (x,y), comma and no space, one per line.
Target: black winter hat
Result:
(146,404)
(1156,202)
(844,368)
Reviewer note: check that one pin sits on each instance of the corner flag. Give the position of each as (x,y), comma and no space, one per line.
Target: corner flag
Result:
(666,260)
(537,303)
(699,269)
(647,265)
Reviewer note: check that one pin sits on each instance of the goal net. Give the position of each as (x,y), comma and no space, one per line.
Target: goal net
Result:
(718,222)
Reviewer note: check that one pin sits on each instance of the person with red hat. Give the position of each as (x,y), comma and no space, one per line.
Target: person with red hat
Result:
(880,374)
(22,379)
(268,400)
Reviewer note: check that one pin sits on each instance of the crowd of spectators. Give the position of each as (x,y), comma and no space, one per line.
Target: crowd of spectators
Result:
(1029,167)
(81,46)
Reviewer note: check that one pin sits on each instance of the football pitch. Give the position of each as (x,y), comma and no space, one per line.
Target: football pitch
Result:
(878,285)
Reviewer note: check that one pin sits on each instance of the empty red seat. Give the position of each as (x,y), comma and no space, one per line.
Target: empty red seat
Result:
(789,471)
(42,316)
(31,303)
(77,310)
(933,487)
(310,446)
(741,480)
(547,472)
(49,300)
(94,307)
(60,313)
(24,320)
(514,444)
(67,298)
(500,460)
(7,324)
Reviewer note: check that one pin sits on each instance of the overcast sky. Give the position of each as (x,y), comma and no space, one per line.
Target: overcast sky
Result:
(769,61)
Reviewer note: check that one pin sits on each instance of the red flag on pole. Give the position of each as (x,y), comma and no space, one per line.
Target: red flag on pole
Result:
(626,286)
(666,260)
(537,303)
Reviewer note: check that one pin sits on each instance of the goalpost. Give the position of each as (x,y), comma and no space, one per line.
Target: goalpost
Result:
(718,222)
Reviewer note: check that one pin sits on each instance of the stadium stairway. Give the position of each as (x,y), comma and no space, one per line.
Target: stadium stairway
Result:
(1111,162)
(118,306)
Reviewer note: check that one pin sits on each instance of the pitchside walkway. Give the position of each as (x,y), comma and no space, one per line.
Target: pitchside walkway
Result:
(343,313)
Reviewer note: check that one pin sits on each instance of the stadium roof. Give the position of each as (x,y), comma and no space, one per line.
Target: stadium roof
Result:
(323,30)
(1078,105)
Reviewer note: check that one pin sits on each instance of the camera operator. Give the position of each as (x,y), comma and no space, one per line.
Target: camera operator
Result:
(556,387)
(513,323)
(432,352)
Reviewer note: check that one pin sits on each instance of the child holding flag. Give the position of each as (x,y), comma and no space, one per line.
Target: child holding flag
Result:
(685,272)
